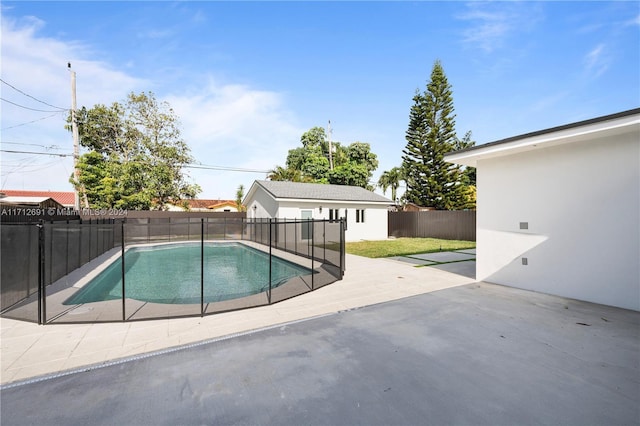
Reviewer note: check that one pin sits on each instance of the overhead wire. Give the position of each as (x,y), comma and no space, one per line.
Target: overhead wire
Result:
(32,121)
(224,168)
(10,151)
(32,97)
(30,144)
(191,166)
(30,109)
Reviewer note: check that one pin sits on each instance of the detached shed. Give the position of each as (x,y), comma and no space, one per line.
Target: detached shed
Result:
(558,210)
(365,212)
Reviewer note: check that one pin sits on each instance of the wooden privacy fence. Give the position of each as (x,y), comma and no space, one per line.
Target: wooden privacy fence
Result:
(448,225)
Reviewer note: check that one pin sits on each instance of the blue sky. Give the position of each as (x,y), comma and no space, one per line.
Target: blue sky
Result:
(248,78)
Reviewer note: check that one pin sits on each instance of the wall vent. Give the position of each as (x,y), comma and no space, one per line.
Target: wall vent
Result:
(525,261)
(524,225)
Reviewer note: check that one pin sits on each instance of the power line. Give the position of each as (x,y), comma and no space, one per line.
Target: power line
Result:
(224,168)
(30,109)
(30,144)
(29,96)
(8,151)
(190,166)
(33,121)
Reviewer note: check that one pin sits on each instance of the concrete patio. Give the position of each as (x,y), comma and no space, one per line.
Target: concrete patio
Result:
(390,344)
(30,350)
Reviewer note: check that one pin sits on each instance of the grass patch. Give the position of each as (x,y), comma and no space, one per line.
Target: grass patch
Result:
(405,246)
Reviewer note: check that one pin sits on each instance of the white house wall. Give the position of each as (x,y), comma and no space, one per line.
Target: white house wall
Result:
(262,206)
(581,205)
(374,226)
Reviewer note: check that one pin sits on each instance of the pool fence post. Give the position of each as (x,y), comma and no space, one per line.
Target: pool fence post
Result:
(342,250)
(123,271)
(313,232)
(285,234)
(41,287)
(202,267)
(66,271)
(324,241)
(270,260)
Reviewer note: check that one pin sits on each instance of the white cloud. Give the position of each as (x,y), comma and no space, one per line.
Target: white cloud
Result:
(37,66)
(597,61)
(225,124)
(492,24)
(234,125)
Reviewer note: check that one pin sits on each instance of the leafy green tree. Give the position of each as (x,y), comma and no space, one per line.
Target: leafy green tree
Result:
(391,179)
(352,165)
(431,181)
(136,155)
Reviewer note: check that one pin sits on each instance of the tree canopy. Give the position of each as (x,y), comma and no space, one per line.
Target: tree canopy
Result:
(431,181)
(312,162)
(136,155)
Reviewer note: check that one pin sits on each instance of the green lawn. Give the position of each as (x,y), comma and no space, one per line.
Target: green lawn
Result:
(405,246)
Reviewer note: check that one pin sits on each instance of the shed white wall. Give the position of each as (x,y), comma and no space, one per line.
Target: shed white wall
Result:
(261,205)
(582,205)
(374,226)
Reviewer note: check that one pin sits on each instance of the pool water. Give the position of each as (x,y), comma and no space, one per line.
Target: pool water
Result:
(171,274)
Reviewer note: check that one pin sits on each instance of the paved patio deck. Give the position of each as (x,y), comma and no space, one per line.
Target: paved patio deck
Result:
(474,354)
(29,350)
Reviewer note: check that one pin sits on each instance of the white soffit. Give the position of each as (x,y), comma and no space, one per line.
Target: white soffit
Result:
(544,139)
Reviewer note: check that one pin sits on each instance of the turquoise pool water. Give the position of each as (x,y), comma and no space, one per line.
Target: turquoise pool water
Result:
(171,274)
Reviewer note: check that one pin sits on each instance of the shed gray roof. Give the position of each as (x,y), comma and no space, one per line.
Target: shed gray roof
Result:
(318,191)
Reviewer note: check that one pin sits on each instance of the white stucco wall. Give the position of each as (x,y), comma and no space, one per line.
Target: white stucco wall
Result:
(374,226)
(261,205)
(582,205)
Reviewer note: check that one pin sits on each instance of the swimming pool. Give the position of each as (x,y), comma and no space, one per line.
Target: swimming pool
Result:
(171,273)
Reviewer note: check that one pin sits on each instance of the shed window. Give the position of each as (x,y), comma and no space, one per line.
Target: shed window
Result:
(333,215)
(360,216)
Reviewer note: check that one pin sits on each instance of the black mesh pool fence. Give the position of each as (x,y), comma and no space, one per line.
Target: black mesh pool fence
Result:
(45,264)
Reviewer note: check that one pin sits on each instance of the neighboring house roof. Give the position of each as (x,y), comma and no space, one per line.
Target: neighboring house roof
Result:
(317,191)
(65,198)
(608,125)
(224,203)
(24,200)
(209,204)
(416,208)
(40,202)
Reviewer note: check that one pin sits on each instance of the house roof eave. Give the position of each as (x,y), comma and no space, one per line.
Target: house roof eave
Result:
(620,123)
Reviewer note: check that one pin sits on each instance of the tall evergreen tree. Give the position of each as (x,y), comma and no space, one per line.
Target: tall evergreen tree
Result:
(431,181)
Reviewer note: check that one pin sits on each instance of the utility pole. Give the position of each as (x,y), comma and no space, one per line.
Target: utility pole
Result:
(330,146)
(74,131)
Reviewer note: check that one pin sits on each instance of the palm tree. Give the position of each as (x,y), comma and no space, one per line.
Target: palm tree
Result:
(239,197)
(391,178)
(286,174)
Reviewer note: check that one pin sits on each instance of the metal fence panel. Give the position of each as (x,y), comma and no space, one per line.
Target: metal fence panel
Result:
(448,225)
(58,257)
(19,267)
